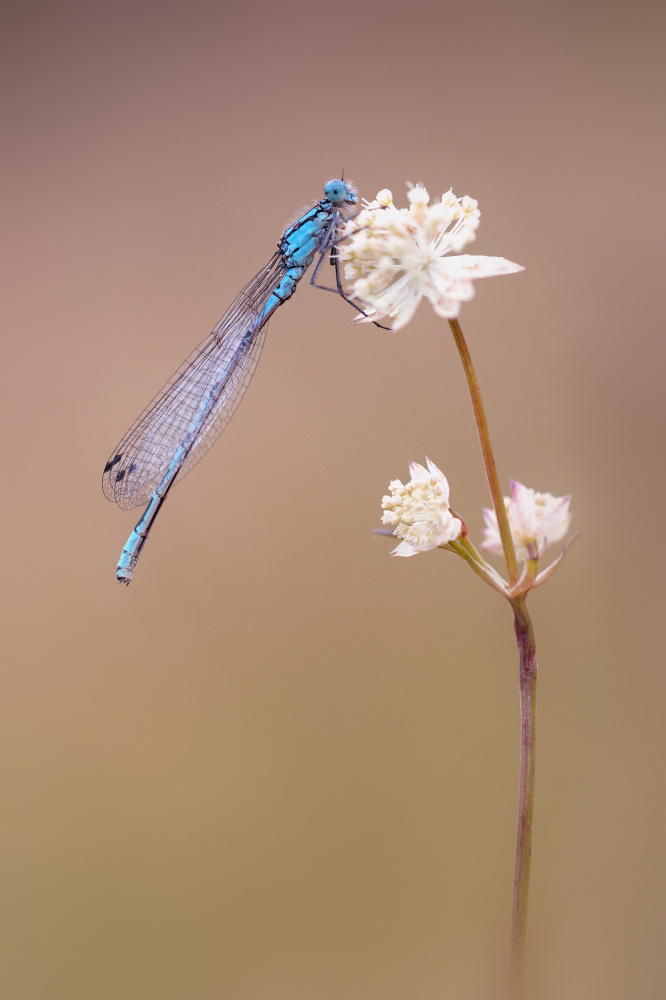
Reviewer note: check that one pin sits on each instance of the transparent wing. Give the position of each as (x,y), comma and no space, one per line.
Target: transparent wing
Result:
(229,355)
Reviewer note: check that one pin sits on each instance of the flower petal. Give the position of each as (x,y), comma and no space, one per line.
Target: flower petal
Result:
(405,549)
(474,266)
(419,510)
(440,477)
(418,473)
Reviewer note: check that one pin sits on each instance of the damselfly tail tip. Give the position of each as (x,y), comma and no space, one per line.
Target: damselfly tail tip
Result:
(124,576)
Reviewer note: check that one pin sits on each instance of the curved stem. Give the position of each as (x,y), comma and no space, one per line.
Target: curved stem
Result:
(488,458)
(527,680)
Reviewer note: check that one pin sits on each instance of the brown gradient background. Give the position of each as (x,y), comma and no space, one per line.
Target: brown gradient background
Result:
(282,766)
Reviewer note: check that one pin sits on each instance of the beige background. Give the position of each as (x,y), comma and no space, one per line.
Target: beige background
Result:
(281,766)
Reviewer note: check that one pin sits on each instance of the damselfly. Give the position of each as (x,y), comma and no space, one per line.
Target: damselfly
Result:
(196,404)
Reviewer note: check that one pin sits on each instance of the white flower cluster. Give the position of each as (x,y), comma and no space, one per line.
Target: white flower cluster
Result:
(420,514)
(419,511)
(536,520)
(394,256)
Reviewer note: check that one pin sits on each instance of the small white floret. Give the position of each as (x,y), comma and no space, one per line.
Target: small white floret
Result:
(419,511)
(535,519)
(395,257)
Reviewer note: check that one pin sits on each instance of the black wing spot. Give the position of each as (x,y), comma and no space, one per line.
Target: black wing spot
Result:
(120,475)
(133,467)
(110,465)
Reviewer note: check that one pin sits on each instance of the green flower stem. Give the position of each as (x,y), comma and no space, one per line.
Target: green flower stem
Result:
(527,681)
(522,624)
(466,551)
(488,458)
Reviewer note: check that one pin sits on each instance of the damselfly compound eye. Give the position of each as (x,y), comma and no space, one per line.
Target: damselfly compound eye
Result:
(336,191)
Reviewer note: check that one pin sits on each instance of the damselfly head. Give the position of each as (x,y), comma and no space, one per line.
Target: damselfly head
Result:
(338,193)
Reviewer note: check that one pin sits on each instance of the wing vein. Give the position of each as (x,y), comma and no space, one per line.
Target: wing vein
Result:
(144,455)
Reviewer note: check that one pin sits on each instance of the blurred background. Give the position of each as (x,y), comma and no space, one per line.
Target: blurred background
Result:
(281,765)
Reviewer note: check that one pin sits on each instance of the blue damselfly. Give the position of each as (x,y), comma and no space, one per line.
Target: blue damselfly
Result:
(195,405)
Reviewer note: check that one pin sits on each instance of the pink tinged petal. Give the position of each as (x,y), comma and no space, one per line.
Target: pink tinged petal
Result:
(446,280)
(490,517)
(418,473)
(449,281)
(522,515)
(401,313)
(555,524)
(398,304)
(440,477)
(368,318)
(405,549)
(492,544)
(445,306)
(454,528)
(539,517)
(473,266)
(492,541)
